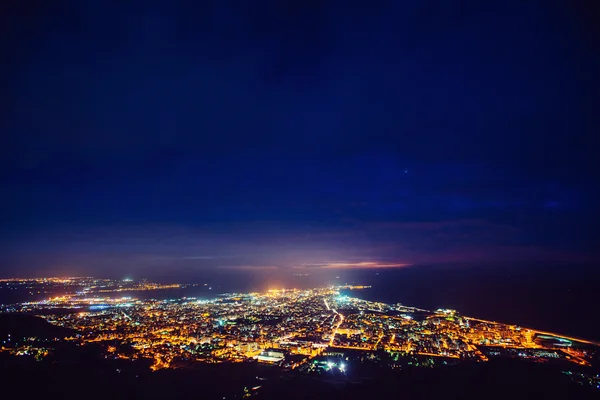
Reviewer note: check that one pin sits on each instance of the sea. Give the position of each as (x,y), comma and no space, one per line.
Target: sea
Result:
(559,299)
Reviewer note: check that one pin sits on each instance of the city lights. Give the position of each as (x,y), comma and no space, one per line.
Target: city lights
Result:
(285,327)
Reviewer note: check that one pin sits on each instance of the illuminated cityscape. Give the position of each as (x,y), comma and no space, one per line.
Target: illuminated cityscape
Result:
(300,200)
(313,331)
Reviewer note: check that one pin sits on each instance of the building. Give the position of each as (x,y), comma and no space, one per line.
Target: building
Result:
(270,356)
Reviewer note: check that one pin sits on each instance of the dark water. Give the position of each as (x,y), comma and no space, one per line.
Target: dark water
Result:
(558,299)
(561,300)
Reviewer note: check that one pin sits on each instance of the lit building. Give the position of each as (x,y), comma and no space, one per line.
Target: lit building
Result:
(271,356)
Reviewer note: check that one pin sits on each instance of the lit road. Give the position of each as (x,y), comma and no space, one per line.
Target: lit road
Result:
(337,326)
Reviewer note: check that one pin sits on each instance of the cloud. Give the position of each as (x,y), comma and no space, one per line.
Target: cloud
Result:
(353,265)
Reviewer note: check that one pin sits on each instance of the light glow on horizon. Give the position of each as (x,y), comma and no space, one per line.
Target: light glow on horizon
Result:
(362,265)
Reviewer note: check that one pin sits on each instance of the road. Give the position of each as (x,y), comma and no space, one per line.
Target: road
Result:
(337,326)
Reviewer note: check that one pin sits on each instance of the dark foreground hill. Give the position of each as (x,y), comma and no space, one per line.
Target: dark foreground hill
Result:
(35,380)
(20,326)
(507,379)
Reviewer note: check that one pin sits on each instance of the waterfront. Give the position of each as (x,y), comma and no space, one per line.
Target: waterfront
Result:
(557,299)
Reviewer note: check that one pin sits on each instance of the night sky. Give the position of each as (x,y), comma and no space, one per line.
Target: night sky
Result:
(301,134)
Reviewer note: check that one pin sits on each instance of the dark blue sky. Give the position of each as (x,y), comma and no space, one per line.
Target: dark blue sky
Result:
(271,134)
